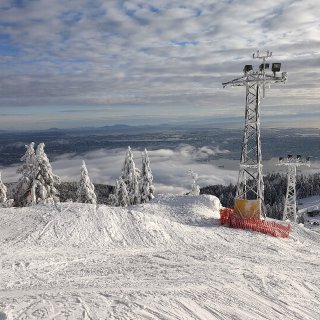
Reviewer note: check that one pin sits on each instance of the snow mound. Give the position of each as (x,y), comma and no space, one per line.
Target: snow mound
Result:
(167,220)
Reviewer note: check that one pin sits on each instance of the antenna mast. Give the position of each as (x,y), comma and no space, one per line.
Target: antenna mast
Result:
(250,181)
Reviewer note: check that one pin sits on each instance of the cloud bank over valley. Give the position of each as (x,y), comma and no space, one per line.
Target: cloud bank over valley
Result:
(170,167)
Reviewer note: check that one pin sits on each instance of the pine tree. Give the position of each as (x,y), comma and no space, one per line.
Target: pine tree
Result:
(3,192)
(122,194)
(4,202)
(133,190)
(146,187)
(113,199)
(29,169)
(43,188)
(130,176)
(195,189)
(127,167)
(85,192)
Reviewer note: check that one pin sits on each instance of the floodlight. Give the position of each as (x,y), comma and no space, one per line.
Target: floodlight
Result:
(289,156)
(264,66)
(247,68)
(276,67)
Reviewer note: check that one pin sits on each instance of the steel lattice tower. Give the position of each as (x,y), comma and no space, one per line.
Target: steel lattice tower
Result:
(250,161)
(250,181)
(290,205)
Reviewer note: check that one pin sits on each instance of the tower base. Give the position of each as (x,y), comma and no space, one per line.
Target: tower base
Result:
(247,208)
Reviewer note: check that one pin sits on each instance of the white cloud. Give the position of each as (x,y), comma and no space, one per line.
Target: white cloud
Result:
(134,52)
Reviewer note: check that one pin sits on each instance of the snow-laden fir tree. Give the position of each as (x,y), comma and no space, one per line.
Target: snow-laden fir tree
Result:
(127,165)
(195,189)
(85,191)
(28,170)
(4,202)
(3,192)
(113,198)
(146,187)
(122,194)
(131,176)
(43,188)
(133,188)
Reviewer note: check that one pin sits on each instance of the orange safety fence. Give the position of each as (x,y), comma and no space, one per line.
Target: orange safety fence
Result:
(228,217)
(225,215)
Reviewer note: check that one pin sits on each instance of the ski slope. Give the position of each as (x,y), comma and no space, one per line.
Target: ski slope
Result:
(168,259)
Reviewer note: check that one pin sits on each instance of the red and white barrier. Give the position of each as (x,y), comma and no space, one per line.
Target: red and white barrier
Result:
(228,217)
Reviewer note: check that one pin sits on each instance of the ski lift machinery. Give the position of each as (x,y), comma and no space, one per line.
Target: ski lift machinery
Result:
(249,201)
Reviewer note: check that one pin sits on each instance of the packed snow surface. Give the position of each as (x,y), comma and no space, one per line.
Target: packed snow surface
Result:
(168,259)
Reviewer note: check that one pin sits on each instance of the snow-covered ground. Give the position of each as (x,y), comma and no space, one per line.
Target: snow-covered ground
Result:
(169,259)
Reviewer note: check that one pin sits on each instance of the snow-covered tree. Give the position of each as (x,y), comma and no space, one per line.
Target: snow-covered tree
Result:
(133,189)
(127,164)
(195,189)
(85,192)
(122,194)
(146,187)
(113,198)
(28,170)
(130,176)
(4,202)
(3,192)
(43,188)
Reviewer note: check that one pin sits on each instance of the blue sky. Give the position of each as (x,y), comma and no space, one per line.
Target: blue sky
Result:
(80,62)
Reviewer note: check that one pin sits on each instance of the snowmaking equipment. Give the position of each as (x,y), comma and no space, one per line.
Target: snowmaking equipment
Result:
(249,201)
(290,205)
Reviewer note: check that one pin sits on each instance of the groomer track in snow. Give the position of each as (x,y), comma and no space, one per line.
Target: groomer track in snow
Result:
(168,259)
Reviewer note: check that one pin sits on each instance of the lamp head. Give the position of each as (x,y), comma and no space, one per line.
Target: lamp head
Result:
(247,68)
(276,67)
